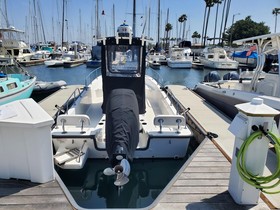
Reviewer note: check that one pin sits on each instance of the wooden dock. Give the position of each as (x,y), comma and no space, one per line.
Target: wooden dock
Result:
(21,194)
(201,184)
(59,98)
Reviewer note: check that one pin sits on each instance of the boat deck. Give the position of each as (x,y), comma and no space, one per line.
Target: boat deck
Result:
(59,99)
(202,184)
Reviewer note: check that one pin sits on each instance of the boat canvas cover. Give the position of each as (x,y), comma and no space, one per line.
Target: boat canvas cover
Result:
(122,124)
(243,54)
(137,84)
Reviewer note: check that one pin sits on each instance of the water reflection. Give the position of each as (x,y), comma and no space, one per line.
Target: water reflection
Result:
(91,189)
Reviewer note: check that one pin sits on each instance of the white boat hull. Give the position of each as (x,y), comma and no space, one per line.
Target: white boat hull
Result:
(222,64)
(175,64)
(54,63)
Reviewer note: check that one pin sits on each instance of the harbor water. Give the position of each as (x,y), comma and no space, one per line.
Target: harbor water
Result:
(77,75)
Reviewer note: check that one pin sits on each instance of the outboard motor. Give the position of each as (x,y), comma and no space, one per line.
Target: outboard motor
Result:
(122,125)
(122,132)
(233,75)
(212,76)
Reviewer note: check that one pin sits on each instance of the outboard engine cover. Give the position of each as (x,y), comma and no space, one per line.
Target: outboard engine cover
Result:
(122,125)
(212,76)
(233,75)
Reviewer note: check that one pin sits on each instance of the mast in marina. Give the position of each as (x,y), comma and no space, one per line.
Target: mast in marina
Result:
(134,18)
(62,25)
(158,34)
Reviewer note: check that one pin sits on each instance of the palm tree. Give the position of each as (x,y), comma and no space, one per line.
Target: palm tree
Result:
(227,3)
(168,27)
(181,20)
(217,11)
(275,12)
(209,4)
(196,36)
(204,20)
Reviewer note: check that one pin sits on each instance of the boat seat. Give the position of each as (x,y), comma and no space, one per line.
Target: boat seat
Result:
(169,121)
(73,120)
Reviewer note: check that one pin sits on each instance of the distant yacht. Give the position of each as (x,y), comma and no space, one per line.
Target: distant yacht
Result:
(12,49)
(180,58)
(216,58)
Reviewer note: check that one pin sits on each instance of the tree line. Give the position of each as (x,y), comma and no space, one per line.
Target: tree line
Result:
(238,30)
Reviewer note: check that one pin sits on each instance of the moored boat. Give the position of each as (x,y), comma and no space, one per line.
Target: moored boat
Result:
(13,50)
(122,115)
(226,93)
(216,58)
(15,86)
(56,60)
(179,58)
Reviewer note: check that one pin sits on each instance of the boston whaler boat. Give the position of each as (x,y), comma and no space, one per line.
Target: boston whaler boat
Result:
(250,84)
(122,115)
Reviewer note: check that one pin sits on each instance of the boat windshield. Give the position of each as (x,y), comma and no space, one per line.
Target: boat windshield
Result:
(123,60)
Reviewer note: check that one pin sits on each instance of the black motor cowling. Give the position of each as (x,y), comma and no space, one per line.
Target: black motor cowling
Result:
(212,76)
(233,75)
(122,125)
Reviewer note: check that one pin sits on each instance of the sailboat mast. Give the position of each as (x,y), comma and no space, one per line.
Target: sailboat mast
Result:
(114,29)
(158,35)
(134,18)
(149,23)
(62,25)
(97,21)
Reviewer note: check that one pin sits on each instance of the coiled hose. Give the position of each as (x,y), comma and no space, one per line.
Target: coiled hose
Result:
(260,182)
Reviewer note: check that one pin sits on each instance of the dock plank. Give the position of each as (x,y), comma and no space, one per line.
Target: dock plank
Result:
(58,98)
(203,184)
(23,194)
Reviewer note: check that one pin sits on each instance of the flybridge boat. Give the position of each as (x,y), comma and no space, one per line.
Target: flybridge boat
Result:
(250,84)
(12,48)
(122,115)
(180,58)
(216,58)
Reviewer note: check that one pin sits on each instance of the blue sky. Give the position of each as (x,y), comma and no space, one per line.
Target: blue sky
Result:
(80,14)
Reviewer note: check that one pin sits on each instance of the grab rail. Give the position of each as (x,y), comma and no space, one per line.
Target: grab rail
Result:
(74,96)
(93,75)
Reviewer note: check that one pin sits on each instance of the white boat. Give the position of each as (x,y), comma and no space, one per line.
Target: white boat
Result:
(15,86)
(180,58)
(216,58)
(154,63)
(160,57)
(56,60)
(12,48)
(74,58)
(251,84)
(121,115)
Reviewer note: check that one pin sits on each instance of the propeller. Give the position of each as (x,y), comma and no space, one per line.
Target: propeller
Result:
(122,171)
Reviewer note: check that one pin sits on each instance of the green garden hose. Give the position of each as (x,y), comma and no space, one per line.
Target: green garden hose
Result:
(260,182)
